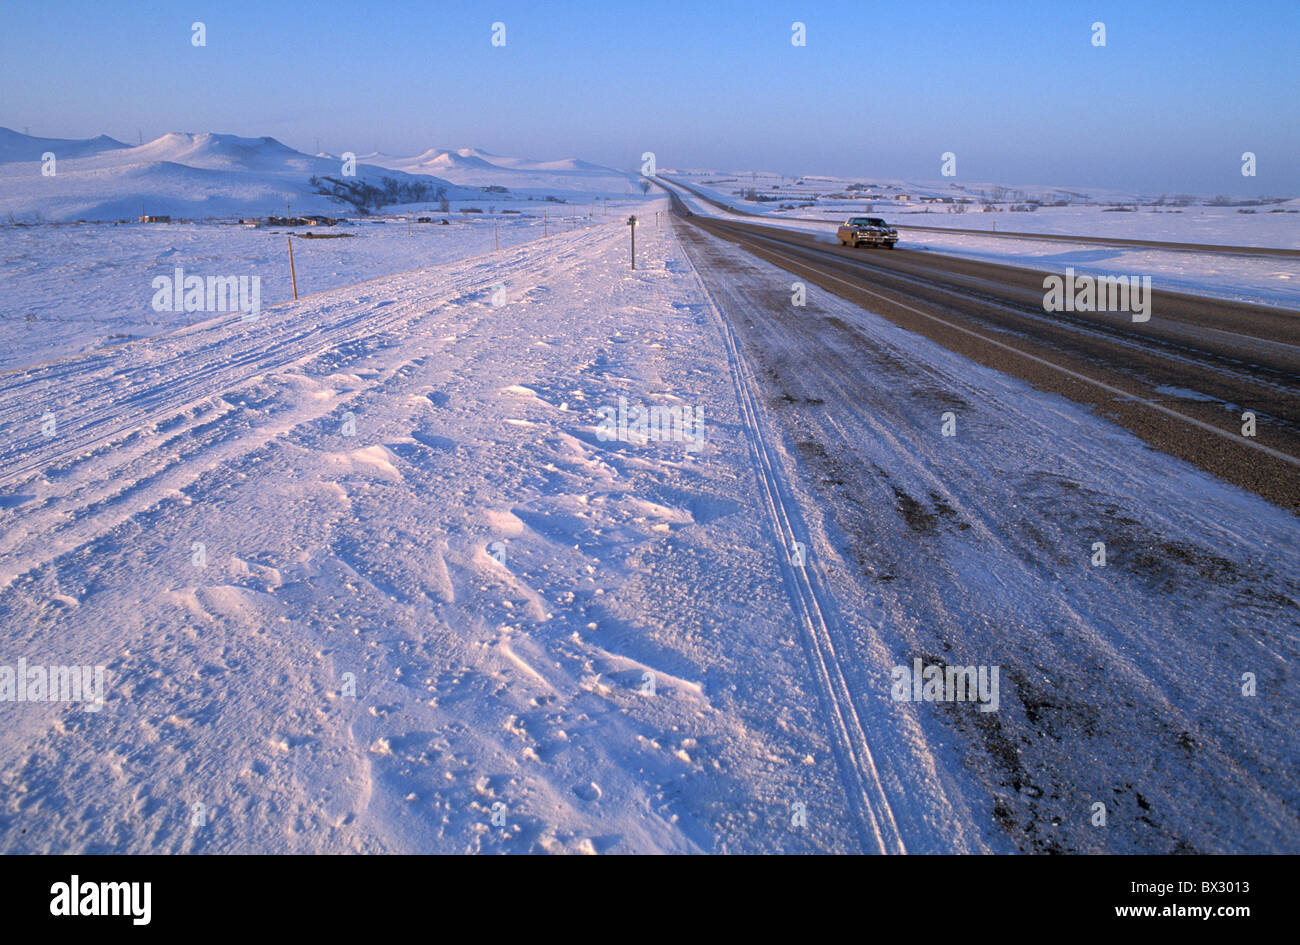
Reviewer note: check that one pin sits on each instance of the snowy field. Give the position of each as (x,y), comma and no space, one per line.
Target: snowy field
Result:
(72,288)
(519,680)
(364,575)
(75,286)
(370,572)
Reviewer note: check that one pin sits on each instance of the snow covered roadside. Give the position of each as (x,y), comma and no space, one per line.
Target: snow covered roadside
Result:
(74,288)
(1156,681)
(366,574)
(1259,280)
(400,491)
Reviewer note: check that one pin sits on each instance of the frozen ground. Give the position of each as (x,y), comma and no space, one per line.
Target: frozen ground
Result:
(477,682)
(364,576)
(72,288)
(1121,683)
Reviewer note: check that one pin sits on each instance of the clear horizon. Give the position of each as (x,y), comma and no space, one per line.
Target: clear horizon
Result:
(1022,97)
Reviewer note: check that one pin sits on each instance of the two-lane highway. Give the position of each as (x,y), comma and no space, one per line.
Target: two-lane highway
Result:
(1183,380)
(1218,249)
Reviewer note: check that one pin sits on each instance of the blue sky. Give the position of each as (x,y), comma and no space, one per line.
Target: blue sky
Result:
(1015,89)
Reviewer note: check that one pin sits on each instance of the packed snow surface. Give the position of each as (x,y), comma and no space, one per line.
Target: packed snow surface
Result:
(365,575)
(370,570)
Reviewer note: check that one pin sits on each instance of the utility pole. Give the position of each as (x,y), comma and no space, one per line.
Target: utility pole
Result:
(631,222)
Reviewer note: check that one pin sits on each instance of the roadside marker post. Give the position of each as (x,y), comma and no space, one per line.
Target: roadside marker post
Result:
(292,275)
(631,222)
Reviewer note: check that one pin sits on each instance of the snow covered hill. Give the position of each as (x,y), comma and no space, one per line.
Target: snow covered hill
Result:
(206,175)
(568,177)
(177,175)
(15,146)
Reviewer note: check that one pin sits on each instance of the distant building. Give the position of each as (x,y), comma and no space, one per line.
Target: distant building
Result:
(155,219)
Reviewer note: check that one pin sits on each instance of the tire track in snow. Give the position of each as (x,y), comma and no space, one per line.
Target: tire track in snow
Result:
(862,783)
(186,382)
(159,380)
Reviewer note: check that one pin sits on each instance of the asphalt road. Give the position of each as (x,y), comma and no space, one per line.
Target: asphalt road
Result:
(1217,249)
(1180,381)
